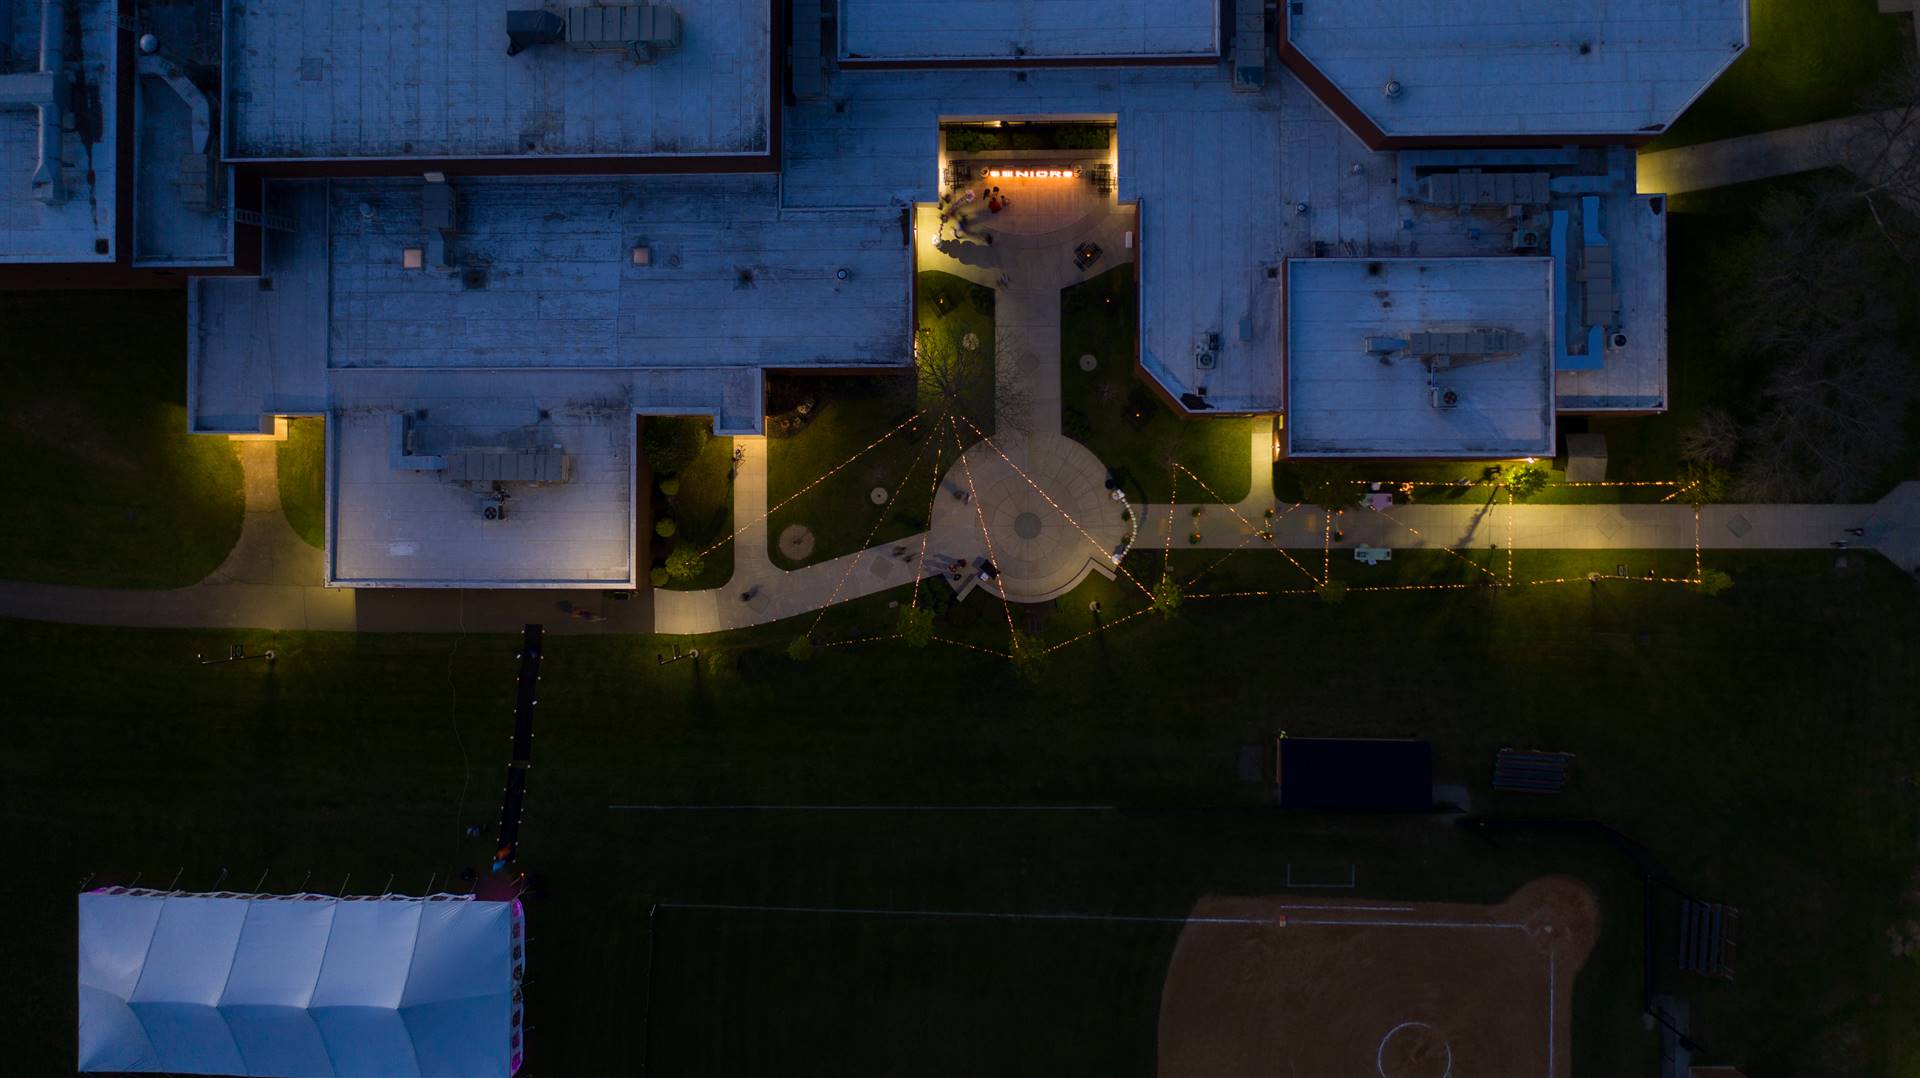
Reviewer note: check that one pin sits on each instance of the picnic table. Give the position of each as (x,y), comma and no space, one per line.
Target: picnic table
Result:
(1372,555)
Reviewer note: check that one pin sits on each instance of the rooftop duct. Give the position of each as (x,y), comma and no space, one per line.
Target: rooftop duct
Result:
(48,90)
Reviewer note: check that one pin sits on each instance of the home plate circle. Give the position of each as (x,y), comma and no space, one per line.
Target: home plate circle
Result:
(1414,1050)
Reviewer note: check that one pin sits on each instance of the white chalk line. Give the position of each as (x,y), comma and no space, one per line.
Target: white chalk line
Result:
(1404,924)
(861,808)
(1380,1054)
(977,915)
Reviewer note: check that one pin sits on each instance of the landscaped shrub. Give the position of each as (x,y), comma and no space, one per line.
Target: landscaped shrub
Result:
(664,528)
(671,442)
(685,562)
(980,298)
(1526,480)
(670,485)
(658,576)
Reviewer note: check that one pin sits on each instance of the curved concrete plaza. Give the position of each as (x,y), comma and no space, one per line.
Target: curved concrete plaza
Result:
(1034,505)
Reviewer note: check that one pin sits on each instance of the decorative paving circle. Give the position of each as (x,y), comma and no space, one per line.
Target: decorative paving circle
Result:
(796,541)
(1088,363)
(1037,506)
(878,495)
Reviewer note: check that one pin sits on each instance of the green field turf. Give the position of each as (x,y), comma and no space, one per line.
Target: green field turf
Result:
(1756,742)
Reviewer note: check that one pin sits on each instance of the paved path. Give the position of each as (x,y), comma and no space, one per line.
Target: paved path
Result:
(1892,526)
(1756,157)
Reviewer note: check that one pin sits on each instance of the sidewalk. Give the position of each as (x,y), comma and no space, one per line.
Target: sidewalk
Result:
(1751,157)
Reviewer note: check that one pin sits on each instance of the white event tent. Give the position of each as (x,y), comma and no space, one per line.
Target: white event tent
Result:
(299,985)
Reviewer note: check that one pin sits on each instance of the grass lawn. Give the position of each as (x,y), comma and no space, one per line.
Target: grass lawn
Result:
(703,512)
(850,414)
(1126,424)
(303,479)
(105,486)
(354,759)
(1806,60)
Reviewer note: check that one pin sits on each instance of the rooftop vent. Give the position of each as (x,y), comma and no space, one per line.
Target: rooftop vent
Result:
(1392,89)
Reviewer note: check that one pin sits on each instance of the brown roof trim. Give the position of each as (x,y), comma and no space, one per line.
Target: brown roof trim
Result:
(1015,62)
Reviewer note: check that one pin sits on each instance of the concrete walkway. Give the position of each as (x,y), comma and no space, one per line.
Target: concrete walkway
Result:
(1482,519)
(1761,156)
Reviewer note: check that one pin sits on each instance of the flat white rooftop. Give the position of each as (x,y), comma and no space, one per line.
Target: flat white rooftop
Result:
(544,276)
(81,226)
(961,30)
(1345,401)
(378,79)
(1518,67)
(404,527)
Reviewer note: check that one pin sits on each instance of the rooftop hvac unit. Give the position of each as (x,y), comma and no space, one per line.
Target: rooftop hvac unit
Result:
(642,29)
(1444,398)
(1477,342)
(1525,239)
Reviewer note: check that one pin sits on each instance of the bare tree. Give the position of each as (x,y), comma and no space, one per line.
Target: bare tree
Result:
(1713,438)
(1830,425)
(1818,303)
(983,386)
(1882,152)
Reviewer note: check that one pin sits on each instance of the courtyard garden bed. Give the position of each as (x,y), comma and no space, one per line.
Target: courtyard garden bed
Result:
(691,496)
(302,468)
(1127,425)
(819,424)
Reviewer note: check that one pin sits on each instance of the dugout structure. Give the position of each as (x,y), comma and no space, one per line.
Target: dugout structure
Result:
(1290,985)
(1343,774)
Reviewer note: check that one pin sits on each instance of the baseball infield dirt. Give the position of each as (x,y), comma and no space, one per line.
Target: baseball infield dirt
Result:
(1298,987)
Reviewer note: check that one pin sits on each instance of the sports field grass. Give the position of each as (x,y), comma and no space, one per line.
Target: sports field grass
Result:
(1756,742)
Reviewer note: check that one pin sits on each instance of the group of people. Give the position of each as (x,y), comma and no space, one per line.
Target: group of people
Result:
(953,208)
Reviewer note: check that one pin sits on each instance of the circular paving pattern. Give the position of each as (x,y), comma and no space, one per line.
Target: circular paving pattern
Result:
(796,541)
(1043,501)
(1087,362)
(878,495)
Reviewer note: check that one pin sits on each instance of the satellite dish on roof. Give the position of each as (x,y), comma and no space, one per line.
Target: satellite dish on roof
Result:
(149,44)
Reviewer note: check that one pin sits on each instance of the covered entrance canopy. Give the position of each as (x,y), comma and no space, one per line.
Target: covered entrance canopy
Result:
(299,984)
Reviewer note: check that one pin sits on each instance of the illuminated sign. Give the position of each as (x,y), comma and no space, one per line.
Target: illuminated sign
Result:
(1032,173)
